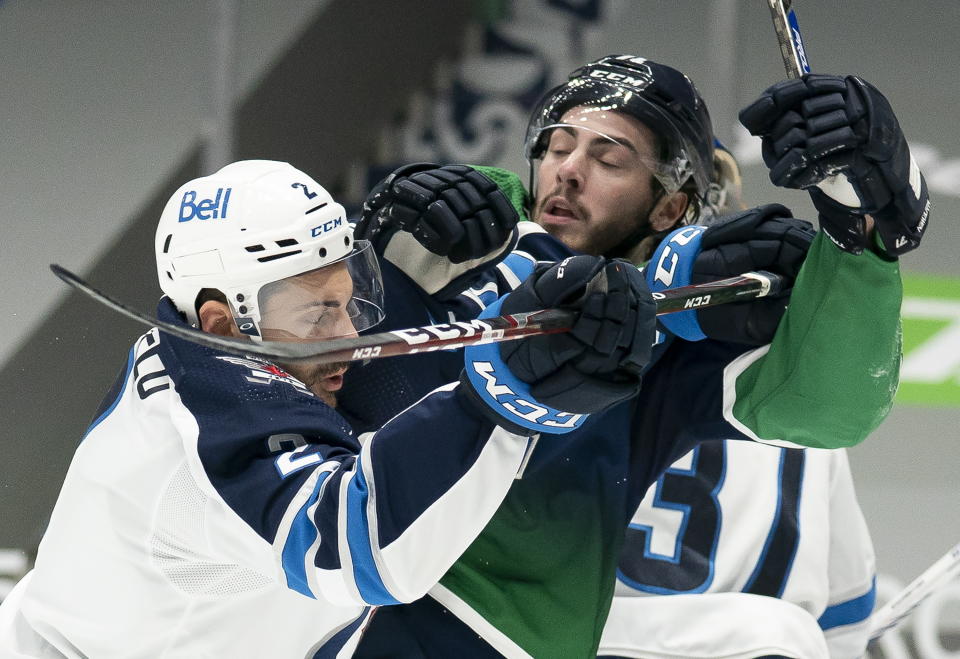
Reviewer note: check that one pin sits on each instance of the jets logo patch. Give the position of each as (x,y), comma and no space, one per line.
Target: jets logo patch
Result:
(265,373)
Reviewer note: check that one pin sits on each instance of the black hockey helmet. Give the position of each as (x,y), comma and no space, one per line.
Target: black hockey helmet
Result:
(659,96)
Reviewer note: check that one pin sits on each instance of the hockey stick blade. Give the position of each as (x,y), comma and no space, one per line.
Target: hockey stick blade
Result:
(891,614)
(445,336)
(788,34)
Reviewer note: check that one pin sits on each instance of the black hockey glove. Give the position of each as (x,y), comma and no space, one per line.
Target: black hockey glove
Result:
(598,363)
(819,126)
(763,238)
(453,211)
(551,383)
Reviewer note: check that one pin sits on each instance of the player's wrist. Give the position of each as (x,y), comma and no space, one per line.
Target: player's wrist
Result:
(671,266)
(839,189)
(505,398)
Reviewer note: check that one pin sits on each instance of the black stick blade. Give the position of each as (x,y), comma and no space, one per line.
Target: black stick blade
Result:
(372,346)
(446,336)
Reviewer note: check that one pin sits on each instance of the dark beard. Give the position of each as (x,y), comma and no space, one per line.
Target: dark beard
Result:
(323,370)
(625,246)
(608,241)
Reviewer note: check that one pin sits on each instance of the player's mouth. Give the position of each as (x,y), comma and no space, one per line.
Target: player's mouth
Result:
(559,211)
(333,381)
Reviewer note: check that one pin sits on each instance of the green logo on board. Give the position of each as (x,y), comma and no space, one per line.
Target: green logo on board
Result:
(930,373)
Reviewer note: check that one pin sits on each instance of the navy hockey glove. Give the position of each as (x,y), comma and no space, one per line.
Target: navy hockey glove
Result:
(453,211)
(762,238)
(819,126)
(595,365)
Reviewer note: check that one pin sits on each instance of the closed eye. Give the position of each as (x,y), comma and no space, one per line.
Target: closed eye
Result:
(326,312)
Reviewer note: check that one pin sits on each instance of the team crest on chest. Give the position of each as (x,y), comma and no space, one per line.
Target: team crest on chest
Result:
(265,373)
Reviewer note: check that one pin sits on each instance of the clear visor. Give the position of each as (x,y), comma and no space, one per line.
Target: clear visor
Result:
(337,300)
(601,96)
(671,174)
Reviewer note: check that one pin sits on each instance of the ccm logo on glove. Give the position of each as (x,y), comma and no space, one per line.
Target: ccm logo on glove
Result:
(666,268)
(521,407)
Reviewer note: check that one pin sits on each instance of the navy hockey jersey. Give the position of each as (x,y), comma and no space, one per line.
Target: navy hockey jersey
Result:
(217,508)
(539,580)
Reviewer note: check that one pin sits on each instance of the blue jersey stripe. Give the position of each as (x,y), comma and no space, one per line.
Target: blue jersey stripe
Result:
(519,265)
(303,533)
(365,573)
(850,612)
(122,382)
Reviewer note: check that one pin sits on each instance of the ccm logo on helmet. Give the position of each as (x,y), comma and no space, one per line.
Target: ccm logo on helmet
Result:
(326,226)
(205,209)
(623,79)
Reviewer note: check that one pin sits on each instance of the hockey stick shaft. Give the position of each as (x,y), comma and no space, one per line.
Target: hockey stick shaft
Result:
(436,337)
(891,614)
(549,321)
(788,34)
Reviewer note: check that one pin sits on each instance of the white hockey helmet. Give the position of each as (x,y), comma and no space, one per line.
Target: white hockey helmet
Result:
(252,223)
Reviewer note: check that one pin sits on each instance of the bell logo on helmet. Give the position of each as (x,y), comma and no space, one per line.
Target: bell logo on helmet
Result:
(205,209)
(326,226)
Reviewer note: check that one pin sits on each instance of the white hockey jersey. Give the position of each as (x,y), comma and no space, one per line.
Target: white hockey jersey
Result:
(740,517)
(216,508)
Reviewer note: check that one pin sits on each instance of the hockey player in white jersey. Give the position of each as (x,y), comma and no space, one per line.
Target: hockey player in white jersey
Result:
(219,506)
(743,519)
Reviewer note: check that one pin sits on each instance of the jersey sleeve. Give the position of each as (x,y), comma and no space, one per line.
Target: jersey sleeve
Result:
(376,522)
(851,569)
(829,377)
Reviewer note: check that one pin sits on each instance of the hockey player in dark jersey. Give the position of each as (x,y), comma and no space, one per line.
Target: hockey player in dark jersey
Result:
(741,522)
(538,580)
(220,506)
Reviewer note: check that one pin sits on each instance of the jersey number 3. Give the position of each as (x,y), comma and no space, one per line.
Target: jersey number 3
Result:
(671,545)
